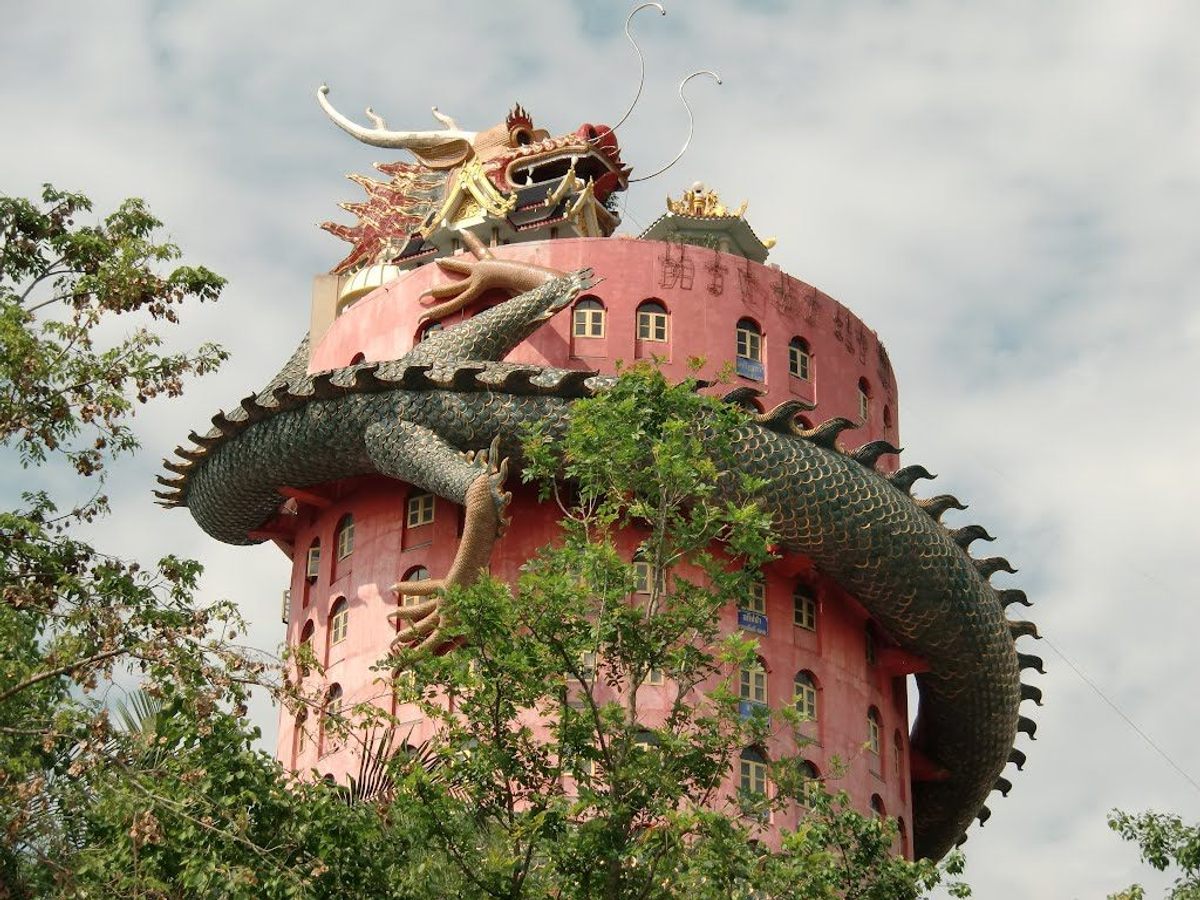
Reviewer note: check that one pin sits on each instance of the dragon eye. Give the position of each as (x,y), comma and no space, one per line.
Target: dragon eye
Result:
(520,137)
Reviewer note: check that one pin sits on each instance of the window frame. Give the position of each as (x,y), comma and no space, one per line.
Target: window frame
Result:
(641,574)
(805,696)
(864,399)
(405,600)
(331,707)
(752,773)
(756,602)
(749,340)
(804,607)
(416,508)
(312,561)
(300,738)
(339,621)
(874,732)
(653,322)
(800,359)
(752,682)
(344,539)
(588,318)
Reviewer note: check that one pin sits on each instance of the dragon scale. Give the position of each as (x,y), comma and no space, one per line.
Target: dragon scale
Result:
(420,418)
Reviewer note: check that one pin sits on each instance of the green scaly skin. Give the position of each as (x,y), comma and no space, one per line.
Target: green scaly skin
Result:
(414,419)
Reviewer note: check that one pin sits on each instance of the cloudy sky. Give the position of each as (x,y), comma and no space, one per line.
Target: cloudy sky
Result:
(1008,193)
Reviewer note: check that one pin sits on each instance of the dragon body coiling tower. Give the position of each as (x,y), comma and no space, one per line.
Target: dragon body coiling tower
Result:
(359,459)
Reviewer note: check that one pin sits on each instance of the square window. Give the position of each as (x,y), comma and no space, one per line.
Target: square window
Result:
(753,777)
(420,510)
(752,685)
(654,676)
(652,326)
(749,344)
(588,320)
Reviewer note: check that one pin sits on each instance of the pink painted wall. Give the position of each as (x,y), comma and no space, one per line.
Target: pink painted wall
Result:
(706,293)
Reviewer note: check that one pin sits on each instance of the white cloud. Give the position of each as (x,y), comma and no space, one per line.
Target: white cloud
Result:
(1007,193)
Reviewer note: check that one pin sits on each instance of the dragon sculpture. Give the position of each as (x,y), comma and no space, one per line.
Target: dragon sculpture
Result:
(446,417)
(511,174)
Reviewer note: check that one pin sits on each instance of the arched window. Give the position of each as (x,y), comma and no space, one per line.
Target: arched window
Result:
(810,787)
(806,696)
(345,536)
(417,573)
(645,739)
(312,562)
(873,731)
(339,621)
(799,359)
(300,737)
(428,330)
(749,350)
(304,648)
(887,416)
(752,683)
(877,808)
(357,358)
(752,772)
(588,318)
(902,835)
(652,321)
(641,576)
(804,607)
(864,399)
(329,712)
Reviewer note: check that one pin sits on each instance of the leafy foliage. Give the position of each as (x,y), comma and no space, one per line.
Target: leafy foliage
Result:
(59,282)
(1165,841)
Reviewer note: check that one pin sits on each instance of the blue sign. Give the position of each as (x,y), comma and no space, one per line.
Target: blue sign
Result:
(749,620)
(750,368)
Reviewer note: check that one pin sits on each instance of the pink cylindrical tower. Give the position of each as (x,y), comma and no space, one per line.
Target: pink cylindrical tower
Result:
(670,301)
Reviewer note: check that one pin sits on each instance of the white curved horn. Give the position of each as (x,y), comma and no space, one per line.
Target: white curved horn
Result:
(380,136)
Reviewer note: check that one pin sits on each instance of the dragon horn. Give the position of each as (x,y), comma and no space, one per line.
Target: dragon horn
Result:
(381,136)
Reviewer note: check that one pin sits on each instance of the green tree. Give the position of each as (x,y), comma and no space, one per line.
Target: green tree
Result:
(1165,842)
(182,805)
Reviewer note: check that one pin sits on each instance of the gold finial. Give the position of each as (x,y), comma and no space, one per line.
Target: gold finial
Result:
(702,203)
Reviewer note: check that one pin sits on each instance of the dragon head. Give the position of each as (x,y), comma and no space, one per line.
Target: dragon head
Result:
(512,180)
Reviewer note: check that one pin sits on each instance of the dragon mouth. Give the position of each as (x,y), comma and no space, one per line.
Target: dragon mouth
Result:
(589,165)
